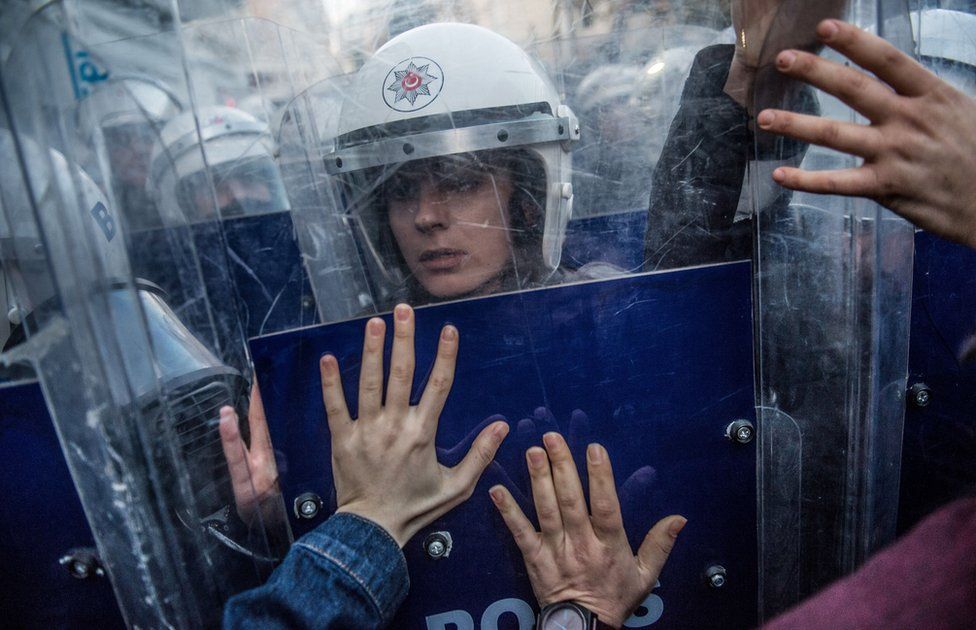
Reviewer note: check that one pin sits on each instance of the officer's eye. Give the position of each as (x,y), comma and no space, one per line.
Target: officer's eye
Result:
(467,182)
(401,188)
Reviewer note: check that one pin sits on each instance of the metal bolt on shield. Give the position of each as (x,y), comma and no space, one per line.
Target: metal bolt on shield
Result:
(741,431)
(920,394)
(307,505)
(82,564)
(715,576)
(438,545)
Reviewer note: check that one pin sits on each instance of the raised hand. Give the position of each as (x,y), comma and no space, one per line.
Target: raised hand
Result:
(580,556)
(384,462)
(919,149)
(253,472)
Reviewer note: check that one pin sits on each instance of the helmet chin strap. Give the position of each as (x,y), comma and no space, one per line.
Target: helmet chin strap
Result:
(555,229)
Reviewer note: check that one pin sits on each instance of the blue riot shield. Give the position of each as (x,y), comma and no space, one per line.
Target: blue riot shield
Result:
(657,380)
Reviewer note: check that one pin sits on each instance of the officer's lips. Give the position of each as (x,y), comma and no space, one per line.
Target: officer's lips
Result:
(442,259)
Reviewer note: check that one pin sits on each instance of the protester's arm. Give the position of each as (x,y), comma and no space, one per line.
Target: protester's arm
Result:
(927,579)
(347,573)
(697,182)
(582,555)
(350,571)
(919,149)
(750,23)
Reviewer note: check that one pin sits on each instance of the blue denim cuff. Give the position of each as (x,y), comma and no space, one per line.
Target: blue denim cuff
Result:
(367,554)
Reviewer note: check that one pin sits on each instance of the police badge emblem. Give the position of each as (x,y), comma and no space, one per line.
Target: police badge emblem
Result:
(412,84)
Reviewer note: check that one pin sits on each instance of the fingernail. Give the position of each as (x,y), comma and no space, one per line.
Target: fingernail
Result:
(226,412)
(551,439)
(537,457)
(676,525)
(765,118)
(786,59)
(449,333)
(500,431)
(496,495)
(375,327)
(779,175)
(595,453)
(827,29)
(402,312)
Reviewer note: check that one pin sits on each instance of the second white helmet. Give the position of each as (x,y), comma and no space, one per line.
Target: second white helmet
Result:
(238,152)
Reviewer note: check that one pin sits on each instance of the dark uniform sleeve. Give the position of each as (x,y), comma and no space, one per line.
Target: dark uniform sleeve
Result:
(697,181)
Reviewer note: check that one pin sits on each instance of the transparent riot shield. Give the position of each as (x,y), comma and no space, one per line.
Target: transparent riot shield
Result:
(833,297)
(221,160)
(123,293)
(626,97)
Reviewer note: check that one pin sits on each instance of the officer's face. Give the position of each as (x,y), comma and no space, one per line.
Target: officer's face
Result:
(129,150)
(451,225)
(235,196)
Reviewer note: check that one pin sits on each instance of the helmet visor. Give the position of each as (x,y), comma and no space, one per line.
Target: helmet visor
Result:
(243,188)
(179,356)
(450,226)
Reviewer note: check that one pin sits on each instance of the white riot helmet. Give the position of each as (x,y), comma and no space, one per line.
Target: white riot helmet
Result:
(130,111)
(63,204)
(658,92)
(130,100)
(947,45)
(53,186)
(606,85)
(443,90)
(239,152)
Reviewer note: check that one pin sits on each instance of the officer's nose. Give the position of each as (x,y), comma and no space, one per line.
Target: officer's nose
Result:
(433,212)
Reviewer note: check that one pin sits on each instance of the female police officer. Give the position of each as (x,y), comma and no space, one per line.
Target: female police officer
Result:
(450,162)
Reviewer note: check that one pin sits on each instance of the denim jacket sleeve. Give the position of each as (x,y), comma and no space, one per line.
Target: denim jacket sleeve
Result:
(347,573)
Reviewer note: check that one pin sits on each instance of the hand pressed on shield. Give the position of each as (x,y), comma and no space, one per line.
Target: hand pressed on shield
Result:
(253,472)
(919,150)
(581,556)
(384,462)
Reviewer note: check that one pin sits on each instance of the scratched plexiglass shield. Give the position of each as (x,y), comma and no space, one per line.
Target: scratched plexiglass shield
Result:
(140,196)
(939,452)
(377,158)
(834,291)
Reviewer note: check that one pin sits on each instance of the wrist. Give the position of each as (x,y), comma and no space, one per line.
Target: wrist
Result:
(396,530)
